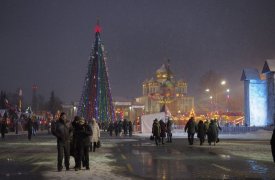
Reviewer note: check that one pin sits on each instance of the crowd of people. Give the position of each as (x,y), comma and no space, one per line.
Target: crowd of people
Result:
(119,127)
(75,139)
(211,129)
(24,122)
(78,137)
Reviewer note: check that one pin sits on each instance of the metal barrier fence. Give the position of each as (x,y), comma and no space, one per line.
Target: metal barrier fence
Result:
(243,129)
(233,129)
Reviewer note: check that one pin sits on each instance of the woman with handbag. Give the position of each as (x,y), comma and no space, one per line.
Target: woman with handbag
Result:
(96,134)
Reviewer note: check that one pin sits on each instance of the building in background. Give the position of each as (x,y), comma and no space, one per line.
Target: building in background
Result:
(70,110)
(164,89)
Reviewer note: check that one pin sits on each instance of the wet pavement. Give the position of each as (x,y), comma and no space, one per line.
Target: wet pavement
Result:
(139,158)
(180,161)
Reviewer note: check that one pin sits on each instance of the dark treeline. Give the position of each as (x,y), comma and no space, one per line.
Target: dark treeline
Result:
(38,103)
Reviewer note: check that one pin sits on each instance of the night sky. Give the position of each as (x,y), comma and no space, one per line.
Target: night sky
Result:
(48,42)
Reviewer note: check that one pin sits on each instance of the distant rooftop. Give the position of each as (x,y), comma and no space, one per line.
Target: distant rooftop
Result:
(269,66)
(250,74)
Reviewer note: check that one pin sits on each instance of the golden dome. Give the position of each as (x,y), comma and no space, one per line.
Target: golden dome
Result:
(164,73)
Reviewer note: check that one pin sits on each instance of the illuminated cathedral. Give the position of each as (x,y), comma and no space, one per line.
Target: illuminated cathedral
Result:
(164,93)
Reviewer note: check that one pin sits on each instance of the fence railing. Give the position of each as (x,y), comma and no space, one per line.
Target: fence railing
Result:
(233,129)
(243,129)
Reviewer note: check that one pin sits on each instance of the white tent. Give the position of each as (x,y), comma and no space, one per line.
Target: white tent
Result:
(147,121)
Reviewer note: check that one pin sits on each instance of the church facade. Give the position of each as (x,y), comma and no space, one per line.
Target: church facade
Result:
(164,89)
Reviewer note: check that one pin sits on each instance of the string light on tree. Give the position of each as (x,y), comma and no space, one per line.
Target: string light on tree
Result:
(96,99)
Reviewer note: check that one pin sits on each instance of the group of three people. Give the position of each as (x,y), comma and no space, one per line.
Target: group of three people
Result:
(203,129)
(160,129)
(74,138)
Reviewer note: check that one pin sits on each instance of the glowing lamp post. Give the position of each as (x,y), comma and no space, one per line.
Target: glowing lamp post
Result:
(223,82)
(74,111)
(211,104)
(227,99)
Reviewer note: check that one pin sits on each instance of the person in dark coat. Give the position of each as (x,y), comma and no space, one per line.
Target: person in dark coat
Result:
(110,128)
(272,143)
(219,129)
(119,125)
(201,131)
(162,130)
(116,127)
(156,131)
(191,130)
(105,126)
(125,126)
(63,130)
(73,139)
(130,127)
(30,125)
(169,131)
(53,125)
(212,133)
(82,133)
(3,128)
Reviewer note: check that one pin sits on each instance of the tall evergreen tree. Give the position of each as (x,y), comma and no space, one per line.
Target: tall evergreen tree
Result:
(54,104)
(96,98)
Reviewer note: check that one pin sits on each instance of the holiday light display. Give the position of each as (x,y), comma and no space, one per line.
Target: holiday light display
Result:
(96,98)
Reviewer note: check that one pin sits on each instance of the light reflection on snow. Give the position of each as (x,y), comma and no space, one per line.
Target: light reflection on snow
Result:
(256,168)
(34,144)
(43,163)
(224,156)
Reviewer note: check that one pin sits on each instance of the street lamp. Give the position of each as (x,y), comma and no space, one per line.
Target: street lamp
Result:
(211,104)
(227,99)
(130,113)
(216,92)
(74,110)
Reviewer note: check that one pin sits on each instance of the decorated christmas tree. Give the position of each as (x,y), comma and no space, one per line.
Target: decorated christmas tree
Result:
(96,98)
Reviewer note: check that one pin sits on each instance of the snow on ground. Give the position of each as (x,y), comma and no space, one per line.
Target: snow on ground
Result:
(100,168)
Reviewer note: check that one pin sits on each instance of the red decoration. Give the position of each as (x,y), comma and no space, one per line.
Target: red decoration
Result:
(97,29)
